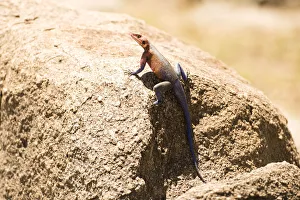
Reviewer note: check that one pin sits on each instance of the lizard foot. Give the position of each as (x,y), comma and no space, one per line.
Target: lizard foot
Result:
(129,72)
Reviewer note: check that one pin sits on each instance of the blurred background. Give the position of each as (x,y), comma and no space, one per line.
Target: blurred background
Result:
(258,38)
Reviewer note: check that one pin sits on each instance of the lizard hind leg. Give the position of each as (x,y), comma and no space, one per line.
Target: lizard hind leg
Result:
(159,89)
(180,73)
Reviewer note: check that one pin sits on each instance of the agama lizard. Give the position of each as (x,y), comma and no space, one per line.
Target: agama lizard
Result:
(170,79)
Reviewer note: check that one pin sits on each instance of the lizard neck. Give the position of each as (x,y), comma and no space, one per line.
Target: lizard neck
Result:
(147,48)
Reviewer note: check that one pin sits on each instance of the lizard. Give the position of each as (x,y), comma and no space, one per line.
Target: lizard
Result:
(170,79)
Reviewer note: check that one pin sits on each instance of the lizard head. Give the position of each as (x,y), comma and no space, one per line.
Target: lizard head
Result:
(141,40)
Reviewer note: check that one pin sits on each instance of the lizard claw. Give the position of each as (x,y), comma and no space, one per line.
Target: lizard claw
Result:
(187,75)
(129,72)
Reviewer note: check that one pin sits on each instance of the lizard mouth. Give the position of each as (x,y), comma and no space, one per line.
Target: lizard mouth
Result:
(136,37)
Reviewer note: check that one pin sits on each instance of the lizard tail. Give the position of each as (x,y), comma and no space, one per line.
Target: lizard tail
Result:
(183,102)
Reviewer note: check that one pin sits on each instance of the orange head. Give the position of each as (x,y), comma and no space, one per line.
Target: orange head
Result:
(141,40)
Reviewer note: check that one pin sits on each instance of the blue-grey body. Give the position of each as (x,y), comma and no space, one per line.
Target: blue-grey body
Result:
(170,79)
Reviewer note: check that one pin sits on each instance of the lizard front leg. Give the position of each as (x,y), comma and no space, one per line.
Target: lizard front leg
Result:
(143,62)
(138,70)
(159,89)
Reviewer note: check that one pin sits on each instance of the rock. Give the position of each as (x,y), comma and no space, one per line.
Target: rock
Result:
(274,181)
(60,140)
(278,3)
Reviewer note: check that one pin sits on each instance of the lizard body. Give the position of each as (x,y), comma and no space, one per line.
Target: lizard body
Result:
(170,79)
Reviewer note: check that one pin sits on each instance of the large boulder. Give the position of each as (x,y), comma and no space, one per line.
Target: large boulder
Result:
(274,181)
(74,125)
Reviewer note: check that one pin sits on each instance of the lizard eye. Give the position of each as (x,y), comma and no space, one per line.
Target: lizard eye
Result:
(138,36)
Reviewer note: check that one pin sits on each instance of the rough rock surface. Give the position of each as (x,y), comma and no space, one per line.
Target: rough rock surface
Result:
(74,125)
(274,181)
